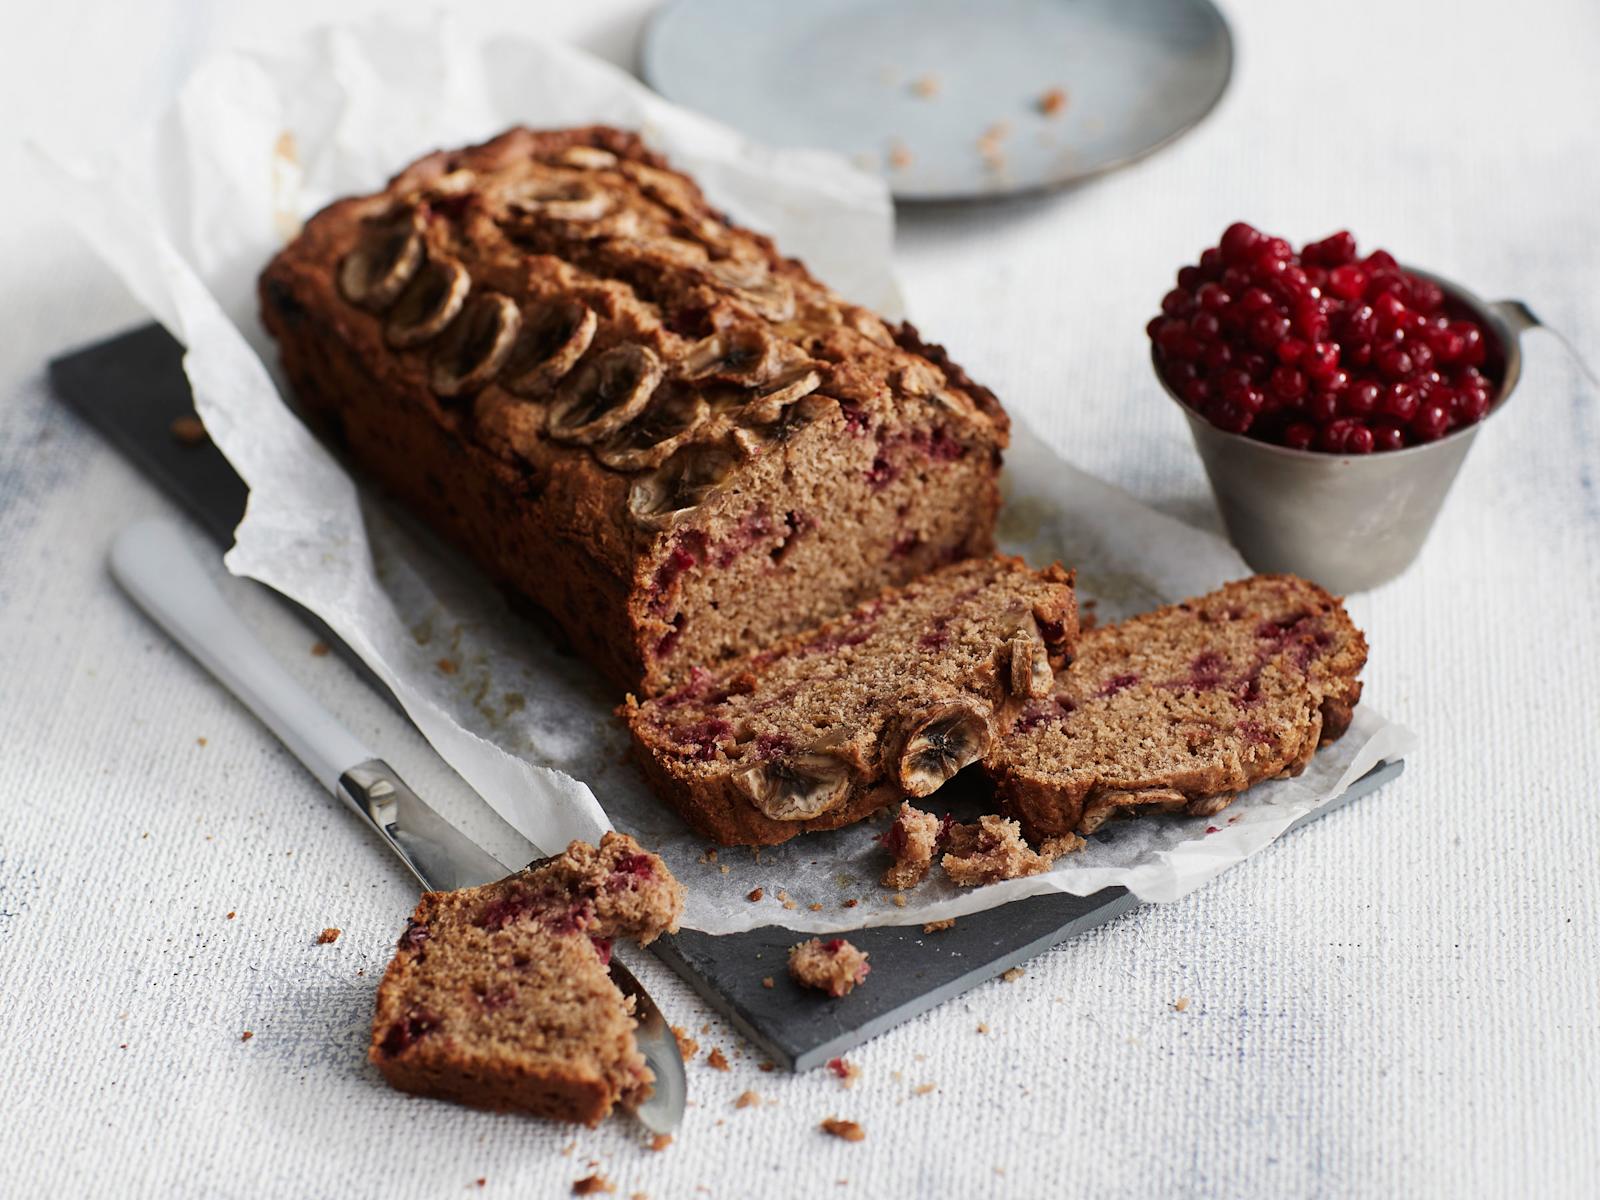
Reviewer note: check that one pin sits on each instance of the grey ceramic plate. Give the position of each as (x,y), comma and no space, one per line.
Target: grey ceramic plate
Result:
(945,97)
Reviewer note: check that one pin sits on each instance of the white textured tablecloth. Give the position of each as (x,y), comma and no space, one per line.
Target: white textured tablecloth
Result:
(1421,1018)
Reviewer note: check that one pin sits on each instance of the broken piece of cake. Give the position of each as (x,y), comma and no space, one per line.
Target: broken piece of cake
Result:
(499,996)
(1181,709)
(990,851)
(889,701)
(833,966)
(914,840)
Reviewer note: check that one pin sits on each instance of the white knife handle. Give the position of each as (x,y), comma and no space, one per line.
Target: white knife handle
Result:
(156,568)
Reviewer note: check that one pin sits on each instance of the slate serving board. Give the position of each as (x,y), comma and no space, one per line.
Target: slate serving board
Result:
(132,387)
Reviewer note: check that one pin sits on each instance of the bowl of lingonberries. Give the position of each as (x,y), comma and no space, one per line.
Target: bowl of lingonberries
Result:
(1332,396)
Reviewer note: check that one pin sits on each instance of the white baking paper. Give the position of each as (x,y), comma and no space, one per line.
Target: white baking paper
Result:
(190,214)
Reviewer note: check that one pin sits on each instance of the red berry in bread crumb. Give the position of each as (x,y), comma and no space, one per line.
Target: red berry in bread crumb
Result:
(1321,350)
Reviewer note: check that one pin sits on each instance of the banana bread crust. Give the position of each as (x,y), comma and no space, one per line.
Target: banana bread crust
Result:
(627,410)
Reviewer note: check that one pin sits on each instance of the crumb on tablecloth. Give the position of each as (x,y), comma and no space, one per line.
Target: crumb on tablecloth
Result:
(925,87)
(747,1099)
(328,936)
(847,1071)
(319,649)
(1012,975)
(1054,102)
(660,1141)
(717,1060)
(593,1185)
(247,1035)
(755,894)
(1180,1004)
(922,1089)
(687,1046)
(848,1131)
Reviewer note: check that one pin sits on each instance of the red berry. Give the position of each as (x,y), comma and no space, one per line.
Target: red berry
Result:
(1358,439)
(1254,300)
(1177,303)
(1190,278)
(1471,406)
(1330,438)
(1348,282)
(1238,242)
(1430,423)
(1205,326)
(1286,383)
(1323,408)
(1211,263)
(1300,435)
(1394,363)
(1362,399)
(1388,436)
(1399,401)
(1268,329)
(1289,351)
(1321,359)
(1213,296)
(1227,416)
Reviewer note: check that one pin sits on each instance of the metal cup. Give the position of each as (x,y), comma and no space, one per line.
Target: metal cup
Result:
(1349,522)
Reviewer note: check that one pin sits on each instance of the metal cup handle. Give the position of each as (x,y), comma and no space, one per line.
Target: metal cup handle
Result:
(1519,319)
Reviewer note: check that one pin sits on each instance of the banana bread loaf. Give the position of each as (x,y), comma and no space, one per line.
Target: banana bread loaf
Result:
(889,701)
(498,996)
(1182,708)
(638,416)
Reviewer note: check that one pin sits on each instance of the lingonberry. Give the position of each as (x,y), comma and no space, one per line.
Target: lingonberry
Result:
(1430,422)
(1386,435)
(1322,350)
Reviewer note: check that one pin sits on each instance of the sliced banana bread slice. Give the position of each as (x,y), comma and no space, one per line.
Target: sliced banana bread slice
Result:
(891,700)
(499,996)
(1182,708)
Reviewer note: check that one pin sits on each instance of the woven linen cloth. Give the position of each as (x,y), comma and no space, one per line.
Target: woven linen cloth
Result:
(1399,1000)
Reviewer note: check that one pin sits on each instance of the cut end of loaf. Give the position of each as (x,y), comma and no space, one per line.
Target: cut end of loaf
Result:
(1180,709)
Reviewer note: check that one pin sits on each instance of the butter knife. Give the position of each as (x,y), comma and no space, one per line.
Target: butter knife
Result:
(154,566)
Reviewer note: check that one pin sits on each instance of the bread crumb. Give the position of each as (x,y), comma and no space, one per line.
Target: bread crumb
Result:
(448,667)
(1054,848)
(1054,102)
(1014,974)
(939,926)
(232,914)
(199,741)
(747,1100)
(899,157)
(814,906)
(833,966)
(922,1089)
(852,902)
(566,1151)
(899,900)
(723,868)
(925,87)
(847,1131)
(717,1060)
(319,649)
(767,1065)
(767,983)
(1180,1004)
(481,1181)
(247,1035)
(328,935)
(593,1185)
(983,1027)
(660,1142)
(847,1072)
(687,1046)
(188,430)
(789,904)
(755,894)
